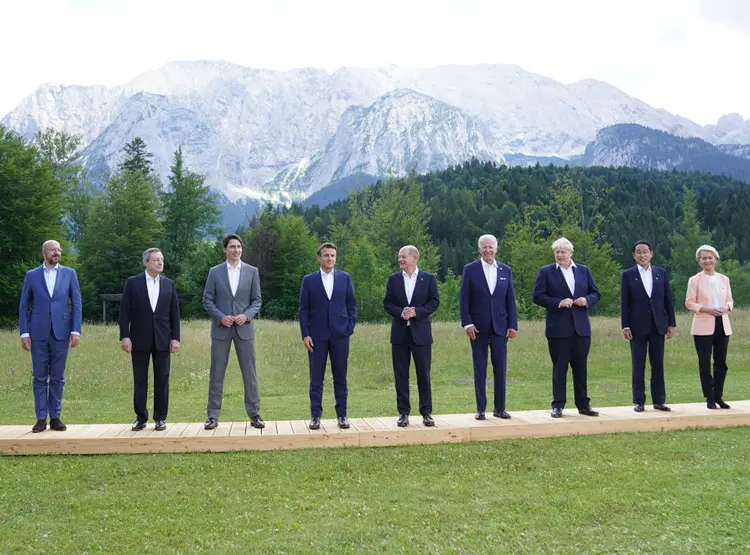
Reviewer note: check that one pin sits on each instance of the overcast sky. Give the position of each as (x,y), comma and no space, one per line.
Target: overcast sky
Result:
(689,57)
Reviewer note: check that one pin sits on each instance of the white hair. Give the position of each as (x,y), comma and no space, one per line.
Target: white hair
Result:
(487,236)
(411,249)
(148,252)
(707,248)
(562,243)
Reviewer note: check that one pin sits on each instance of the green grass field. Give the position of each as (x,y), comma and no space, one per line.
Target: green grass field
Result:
(672,492)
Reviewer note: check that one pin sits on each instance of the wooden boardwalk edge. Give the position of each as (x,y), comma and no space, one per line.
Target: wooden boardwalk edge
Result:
(89,439)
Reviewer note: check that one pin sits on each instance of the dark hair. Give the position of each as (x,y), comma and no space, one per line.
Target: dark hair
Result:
(642,242)
(229,236)
(326,246)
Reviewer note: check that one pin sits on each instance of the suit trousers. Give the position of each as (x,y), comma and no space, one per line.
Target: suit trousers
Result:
(245,349)
(48,357)
(338,351)
(498,347)
(401,354)
(653,343)
(161,361)
(572,350)
(713,387)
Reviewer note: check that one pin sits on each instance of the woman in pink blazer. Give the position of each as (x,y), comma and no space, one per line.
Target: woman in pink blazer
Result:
(709,297)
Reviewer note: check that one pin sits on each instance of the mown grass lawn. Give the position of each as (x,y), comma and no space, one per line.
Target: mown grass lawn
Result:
(673,492)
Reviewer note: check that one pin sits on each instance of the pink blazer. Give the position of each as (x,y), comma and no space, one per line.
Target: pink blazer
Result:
(699,295)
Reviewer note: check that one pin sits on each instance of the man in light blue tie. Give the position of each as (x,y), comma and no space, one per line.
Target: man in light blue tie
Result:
(49,315)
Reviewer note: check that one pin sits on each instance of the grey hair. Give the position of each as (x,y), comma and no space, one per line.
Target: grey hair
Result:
(148,252)
(47,243)
(562,243)
(486,236)
(708,248)
(411,249)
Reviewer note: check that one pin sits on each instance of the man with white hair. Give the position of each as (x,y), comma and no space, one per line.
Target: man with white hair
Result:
(49,315)
(488,314)
(567,291)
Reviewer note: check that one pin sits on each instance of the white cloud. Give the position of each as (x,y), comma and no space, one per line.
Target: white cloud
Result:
(673,54)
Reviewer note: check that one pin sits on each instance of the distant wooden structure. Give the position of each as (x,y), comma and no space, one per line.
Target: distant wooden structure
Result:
(364,432)
(107,297)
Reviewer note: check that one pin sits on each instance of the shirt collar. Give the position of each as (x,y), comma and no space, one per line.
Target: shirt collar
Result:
(325,274)
(643,270)
(148,277)
(485,265)
(414,275)
(55,267)
(234,268)
(572,265)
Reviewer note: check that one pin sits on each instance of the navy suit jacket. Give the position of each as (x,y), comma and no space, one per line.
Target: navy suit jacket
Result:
(480,308)
(638,311)
(425,300)
(551,288)
(324,319)
(39,314)
(142,324)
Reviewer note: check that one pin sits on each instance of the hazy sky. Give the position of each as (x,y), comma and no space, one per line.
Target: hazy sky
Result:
(689,57)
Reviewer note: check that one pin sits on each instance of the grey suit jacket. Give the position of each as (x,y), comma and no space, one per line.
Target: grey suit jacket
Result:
(219,301)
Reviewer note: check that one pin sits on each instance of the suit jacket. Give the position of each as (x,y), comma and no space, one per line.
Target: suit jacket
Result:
(38,312)
(551,288)
(699,295)
(638,310)
(324,319)
(425,301)
(140,323)
(218,300)
(478,307)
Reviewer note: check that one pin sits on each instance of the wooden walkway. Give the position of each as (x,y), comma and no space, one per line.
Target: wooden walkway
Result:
(364,432)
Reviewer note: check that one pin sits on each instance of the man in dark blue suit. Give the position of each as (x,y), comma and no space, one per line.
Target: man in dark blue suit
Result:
(49,315)
(567,291)
(411,295)
(647,314)
(327,315)
(150,329)
(488,314)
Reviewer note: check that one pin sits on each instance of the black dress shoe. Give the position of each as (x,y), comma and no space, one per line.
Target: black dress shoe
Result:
(403,421)
(257,422)
(479,416)
(138,426)
(315,423)
(428,420)
(711,404)
(639,407)
(662,407)
(211,423)
(556,412)
(342,422)
(501,414)
(161,425)
(57,425)
(722,404)
(40,426)
(588,411)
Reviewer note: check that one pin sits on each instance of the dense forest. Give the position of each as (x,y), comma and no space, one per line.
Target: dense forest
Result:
(45,193)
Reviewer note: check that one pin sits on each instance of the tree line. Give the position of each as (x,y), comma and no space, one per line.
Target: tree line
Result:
(105,228)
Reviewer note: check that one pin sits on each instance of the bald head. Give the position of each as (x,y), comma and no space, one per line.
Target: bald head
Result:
(408,256)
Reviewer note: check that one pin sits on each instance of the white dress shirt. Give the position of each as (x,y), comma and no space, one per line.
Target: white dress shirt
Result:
(490,274)
(327,282)
(647,279)
(570,277)
(50,278)
(410,283)
(715,284)
(234,277)
(152,284)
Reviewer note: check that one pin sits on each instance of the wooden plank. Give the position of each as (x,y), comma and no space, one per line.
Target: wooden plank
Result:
(192,429)
(270,429)
(222,431)
(175,430)
(376,425)
(96,430)
(300,427)
(329,426)
(284,428)
(359,425)
(12,432)
(237,429)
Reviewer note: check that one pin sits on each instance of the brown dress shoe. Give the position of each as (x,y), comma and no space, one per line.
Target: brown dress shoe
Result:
(40,426)
(57,425)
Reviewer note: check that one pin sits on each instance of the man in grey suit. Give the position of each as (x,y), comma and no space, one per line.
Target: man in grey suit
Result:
(232,298)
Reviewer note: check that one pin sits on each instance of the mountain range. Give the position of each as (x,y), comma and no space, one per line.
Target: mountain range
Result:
(283,135)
